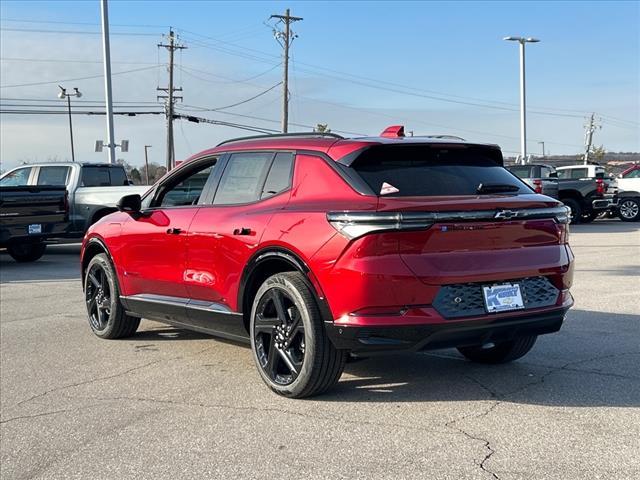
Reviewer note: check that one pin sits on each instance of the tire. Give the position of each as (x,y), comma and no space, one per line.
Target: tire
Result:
(26,252)
(297,360)
(502,352)
(106,315)
(629,209)
(576,209)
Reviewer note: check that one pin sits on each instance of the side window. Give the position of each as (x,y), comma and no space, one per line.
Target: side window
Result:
(545,172)
(279,176)
(563,173)
(243,178)
(579,172)
(53,175)
(17,178)
(633,174)
(95,177)
(185,189)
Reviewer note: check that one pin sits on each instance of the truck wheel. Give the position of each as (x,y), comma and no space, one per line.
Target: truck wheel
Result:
(576,210)
(501,352)
(629,210)
(107,317)
(294,356)
(26,252)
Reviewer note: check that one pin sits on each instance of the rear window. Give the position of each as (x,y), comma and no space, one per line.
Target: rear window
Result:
(521,172)
(103,177)
(400,171)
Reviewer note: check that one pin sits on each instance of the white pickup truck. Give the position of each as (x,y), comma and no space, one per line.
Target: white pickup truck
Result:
(628,198)
(93,188)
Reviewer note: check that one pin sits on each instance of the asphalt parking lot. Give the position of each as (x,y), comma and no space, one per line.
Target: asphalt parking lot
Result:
(174,404)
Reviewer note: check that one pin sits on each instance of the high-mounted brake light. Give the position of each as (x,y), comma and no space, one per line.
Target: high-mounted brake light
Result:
(394,131)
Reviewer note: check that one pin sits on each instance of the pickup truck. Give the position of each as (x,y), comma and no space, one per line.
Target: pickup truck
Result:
(626,202)
(28,216)
(540,177)
(93,188)
(582,188)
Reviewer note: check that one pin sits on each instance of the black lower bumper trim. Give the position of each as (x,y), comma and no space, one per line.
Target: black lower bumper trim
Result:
(372,340)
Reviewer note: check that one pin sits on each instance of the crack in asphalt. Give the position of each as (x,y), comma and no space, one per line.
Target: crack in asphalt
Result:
(240,408)
(500,398)
(45,414)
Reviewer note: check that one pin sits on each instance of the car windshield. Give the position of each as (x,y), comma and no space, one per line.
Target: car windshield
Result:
(401,171)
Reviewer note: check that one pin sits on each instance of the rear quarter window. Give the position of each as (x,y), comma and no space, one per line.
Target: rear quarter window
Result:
(400,171)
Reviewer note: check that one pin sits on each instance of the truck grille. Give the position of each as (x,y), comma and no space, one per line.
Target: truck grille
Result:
(466,299)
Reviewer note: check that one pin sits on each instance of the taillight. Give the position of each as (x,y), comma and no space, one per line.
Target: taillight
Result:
(601,187)
(356,224)
(537,186)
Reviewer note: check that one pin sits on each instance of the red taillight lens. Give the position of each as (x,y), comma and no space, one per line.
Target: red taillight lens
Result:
(601,187)
(537,186)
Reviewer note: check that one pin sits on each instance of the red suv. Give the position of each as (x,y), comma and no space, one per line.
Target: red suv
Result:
(313,247)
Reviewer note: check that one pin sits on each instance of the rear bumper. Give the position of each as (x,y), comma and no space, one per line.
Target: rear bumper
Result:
(447,334)
(606,203)
(19,233)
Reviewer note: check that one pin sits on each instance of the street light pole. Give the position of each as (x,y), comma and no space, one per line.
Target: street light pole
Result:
(523,110)
(146,162)
(542,143)
(63,94)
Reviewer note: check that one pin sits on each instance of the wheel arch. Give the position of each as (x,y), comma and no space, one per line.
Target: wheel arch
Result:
(94,246)
(270,261)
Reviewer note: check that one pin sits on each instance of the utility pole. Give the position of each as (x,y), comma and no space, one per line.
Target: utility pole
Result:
(542,143)
(172,46)
(285,39)
(107,81)
(146,162)
(588,137)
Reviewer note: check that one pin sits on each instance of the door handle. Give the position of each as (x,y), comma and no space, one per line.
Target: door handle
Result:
(174,231)
(242,231)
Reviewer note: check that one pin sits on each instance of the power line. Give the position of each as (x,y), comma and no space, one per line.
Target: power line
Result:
(243,101)
(78,78)
(75,32)
(59,60)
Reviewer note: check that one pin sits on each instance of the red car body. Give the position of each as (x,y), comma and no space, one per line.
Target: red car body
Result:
(396,287)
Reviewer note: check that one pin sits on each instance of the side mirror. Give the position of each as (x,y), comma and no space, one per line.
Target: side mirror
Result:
(553,175)
(130,204)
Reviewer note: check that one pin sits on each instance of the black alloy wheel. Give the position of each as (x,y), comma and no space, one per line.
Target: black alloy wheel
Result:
(107,316)
(279,337)
(290,346)
(98,297)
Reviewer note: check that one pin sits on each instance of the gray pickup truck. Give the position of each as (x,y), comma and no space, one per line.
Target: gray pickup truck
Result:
(541,177)
(93,188)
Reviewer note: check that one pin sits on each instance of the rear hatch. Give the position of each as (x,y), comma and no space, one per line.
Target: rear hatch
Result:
(460,216)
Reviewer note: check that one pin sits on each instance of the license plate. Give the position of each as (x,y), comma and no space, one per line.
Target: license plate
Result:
(35,228)
(502,298)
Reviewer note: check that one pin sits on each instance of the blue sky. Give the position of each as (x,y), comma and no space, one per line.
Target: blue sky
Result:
(358,66)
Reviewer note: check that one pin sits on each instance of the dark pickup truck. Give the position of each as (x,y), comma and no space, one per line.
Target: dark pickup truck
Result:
(582,188)
(28,216)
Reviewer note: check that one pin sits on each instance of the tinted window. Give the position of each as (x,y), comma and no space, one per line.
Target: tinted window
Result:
(579,172)
(243,178)
(103,176)
(545,172)
(633,174)
(279,176)
(185,189)
(522,172)
(17,178)
(53,175)
(428,171)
